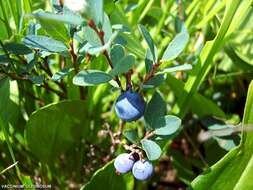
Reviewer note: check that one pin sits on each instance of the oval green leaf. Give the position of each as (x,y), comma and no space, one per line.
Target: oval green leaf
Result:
(53,129)
(91,78)
(167,125)
(45,43)
(149,41)
(152,149)
(184,67)
(106,178)
(123,66)
(156,108)
(176,46)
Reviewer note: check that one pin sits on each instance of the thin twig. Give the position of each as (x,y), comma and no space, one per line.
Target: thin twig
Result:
(40,101)
(47,69)
(149,134)
(108,127)
(13,76)
(76,67)
(152,72)
(121,127)
(7,54)
(195,148)
(128,76)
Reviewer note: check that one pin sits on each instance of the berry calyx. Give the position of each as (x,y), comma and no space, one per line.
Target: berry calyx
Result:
(142,170)
(124,163)
(130,106)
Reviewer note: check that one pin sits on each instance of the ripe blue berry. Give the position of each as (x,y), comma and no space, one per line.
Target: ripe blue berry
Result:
(124,163)
(130,106)
(142,170)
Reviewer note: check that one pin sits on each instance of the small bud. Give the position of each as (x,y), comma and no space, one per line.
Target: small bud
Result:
(101,34)
(91,23)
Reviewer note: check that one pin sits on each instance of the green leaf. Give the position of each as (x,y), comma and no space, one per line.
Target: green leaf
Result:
(181,166)
(167,125)
(229,130)
(152,149)
(148,61)
(107,177)
(224,135)
(156,108)
(199,104)
(154,82)
(236,166)
(4,60)
(36,79)
(61,74)
(18,49)
(107,28)
(133,45)
(55,29)
(176,46)
(238,59)
(49,138)
(91,36)
(149,41)
(45,43)
(184,67)
(6,31)
(9,101)
(204,65)
(227,143)
(91,78)
(95,11)
(131,135)
(123,66)
(117,53)
(93,45)
(71,19)
(26,180)
(99,49)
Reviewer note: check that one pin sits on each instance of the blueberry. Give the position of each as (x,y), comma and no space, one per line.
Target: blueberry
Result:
(130,106)
(142,170)
(124,163)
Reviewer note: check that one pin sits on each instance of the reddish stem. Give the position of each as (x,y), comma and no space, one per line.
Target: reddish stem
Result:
(76,67)
(106,54)
(152,72)
(13,76)
(128,76)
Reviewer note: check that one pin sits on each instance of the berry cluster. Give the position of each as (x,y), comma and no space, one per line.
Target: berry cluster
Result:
(130,106)
(141,170)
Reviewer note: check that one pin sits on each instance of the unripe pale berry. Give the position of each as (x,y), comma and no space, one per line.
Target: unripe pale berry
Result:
(124,163)
(130,106)
(142,170)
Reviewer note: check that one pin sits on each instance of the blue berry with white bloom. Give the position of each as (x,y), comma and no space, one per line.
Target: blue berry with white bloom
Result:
(142,170)
(130,106)
(124,163)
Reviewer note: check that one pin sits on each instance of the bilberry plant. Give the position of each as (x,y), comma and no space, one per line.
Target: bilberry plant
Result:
(94,51)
